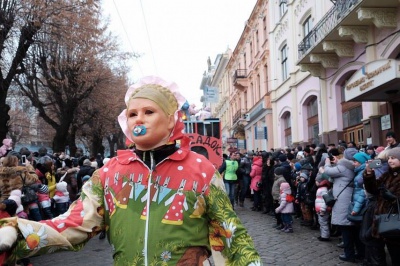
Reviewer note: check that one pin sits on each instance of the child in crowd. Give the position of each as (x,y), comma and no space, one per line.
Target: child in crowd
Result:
(255,185)
(84,180)
(286,207)
(61,198)
(321,208)
(9,206)
(44,201)
(279,179)
(16,196)
(300,199)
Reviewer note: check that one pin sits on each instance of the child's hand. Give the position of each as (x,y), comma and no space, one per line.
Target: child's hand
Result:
(296,201)
(322,213)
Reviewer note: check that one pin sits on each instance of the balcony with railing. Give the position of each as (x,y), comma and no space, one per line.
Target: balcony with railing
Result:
(236,117)
(240,81)
(346,23)
(326,25)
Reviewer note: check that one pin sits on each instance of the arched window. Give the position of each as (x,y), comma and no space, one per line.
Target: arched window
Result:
(282,7)
(287,126)
(312,120)
(284,62)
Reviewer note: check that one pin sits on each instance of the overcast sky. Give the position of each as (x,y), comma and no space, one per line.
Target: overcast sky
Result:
(175,37)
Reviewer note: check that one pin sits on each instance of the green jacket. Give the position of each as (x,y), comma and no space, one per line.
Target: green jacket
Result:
(230,170)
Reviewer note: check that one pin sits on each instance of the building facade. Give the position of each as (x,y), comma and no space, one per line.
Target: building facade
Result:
(249,70)
(354,51)
(312,71)
(295,94)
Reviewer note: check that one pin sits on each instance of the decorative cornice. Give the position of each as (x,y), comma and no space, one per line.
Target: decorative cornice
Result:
(341,48)
(314,69)
(281,31)
(327,60)
(299,7)
(381,17)
(358,33)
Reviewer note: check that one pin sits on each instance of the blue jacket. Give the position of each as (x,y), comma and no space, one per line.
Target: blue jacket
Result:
(358,193)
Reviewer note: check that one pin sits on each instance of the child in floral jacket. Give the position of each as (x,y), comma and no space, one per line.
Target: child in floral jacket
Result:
(322,210)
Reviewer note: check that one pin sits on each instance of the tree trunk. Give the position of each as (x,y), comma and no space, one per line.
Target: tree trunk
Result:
(4,117)
(60,141)
(72,143)
(120,137)
(97,145)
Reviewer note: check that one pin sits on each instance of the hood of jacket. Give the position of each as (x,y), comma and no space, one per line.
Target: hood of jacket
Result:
(346,163)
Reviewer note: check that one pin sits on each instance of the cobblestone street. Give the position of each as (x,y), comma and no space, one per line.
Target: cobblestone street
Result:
(275,247)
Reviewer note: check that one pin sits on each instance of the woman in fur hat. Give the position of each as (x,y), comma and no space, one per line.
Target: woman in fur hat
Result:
(386,190)
(160,203)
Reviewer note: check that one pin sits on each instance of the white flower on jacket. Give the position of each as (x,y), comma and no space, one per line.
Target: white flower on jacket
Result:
(34,240)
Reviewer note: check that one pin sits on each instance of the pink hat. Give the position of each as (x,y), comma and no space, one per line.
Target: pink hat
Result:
(15,195)
(284,186)
(171,86)
(379,149)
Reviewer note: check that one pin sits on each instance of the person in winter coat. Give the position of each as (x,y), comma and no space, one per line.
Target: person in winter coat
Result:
(375,253)
(279,179)
(358,197)
(45,170)
(268,177)
(358,200)
(386,190)
(391,140)
(85,169)
(342,173)
(229,168)
(13,176)
(245,169)
(44,201)
(8,207)
(286,207)
(161,203)
(255,185)
(68,174)
(301,195)
(61,197)
(323,211)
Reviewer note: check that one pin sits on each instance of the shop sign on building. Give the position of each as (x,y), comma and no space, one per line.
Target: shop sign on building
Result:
(232,140)
(370,76)
(211,94)
(385,122)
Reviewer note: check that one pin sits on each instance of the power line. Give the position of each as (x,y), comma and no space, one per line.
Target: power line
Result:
(127,36)
(148,38)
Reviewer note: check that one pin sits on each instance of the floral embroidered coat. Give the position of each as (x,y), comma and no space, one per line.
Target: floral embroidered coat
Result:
(171,215)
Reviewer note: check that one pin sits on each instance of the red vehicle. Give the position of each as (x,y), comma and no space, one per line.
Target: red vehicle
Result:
(205,138)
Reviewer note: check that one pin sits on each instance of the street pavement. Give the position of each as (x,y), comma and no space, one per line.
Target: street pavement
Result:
(275,247)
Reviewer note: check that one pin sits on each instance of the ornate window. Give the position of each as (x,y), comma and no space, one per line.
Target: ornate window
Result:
(284,62)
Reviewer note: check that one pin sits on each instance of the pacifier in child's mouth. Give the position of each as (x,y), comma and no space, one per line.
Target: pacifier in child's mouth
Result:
(139,130)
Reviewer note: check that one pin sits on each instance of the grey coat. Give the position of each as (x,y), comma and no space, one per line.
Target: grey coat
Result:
(276,194)
(342,174)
